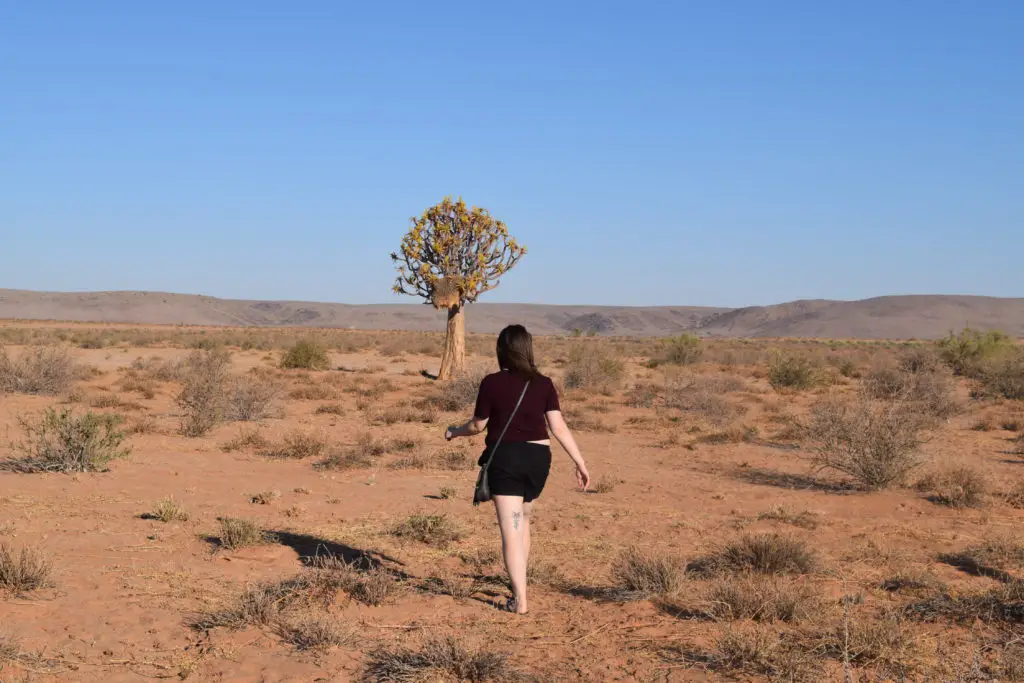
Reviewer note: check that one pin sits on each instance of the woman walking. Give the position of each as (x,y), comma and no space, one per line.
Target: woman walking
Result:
(523,404)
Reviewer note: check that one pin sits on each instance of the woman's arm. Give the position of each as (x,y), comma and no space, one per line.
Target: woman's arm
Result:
(471,428)
(561,432)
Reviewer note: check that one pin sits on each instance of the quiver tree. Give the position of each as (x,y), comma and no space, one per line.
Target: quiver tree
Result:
(450,256)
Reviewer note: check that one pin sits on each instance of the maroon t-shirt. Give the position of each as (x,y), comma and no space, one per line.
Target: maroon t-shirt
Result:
(497,398)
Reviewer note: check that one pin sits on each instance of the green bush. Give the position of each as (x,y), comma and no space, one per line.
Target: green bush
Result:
(64,442)
(685,349)
(306,355)
(965,352)
(786,371)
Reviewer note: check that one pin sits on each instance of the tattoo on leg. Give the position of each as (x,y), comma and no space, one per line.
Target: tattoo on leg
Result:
(515,520)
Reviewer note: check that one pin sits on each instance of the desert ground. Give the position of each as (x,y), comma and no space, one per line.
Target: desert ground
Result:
(790,510)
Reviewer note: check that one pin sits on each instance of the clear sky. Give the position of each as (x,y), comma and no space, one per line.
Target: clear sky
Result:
(726,152)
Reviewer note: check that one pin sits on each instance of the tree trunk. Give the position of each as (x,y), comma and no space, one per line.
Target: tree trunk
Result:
(453,359)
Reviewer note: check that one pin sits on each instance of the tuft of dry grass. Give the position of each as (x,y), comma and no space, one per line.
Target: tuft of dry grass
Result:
(247,439)
(605,484)
(1014,497)
(264,497)
(448,493)
(361,581)
(1002,604)
(240,533)
(24,570)
(958,487)
(779,513)
(440,659)
(329,409)
(760,598)
(438,531)
(875,444)
(62,441)
(638,574)
(297,445)
(46,371)
(317,633)
(313,392)
(768,553)
(168,510)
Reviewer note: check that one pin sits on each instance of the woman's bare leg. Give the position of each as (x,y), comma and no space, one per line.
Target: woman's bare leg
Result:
(513,526)
(527,515)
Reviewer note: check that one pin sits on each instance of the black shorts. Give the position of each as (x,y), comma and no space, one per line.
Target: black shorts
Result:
(519,469)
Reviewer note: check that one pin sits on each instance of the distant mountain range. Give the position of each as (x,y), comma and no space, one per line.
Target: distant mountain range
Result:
(888,317)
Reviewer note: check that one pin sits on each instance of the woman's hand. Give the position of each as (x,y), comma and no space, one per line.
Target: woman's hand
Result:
(582,477)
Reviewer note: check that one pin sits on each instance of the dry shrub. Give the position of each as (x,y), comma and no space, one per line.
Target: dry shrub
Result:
(438,531)
(919,359)
(703,396)
(203,392)
(316,633)
(786,371)
(24,570)
(911,580)
(159,369)
(605,484)
(886,644)
(732,434)
(364,452)
(446,659)
(999,552)
(405,414)
(760,598)
(1004,375)
(455,459)
(252,397)
(768,553)
(930,393)
(145,424)
(133,382)
(247,439)
(240,533)
(297,445)
(259,605)
(306,354)
(1014,496)
(761,651)
(875,444)
(313,392)
(458,393)
(638,574)
(643,395)
(1002,604)
(264,497)
(958,487)
(361,581)
(592,367)
(65,442)
(449,583)
(168,510)
(329,409)
(44,371)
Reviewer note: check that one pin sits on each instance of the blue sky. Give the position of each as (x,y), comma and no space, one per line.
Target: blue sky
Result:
(735,152)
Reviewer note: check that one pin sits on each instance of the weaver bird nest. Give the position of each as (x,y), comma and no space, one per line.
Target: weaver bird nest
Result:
(447,292)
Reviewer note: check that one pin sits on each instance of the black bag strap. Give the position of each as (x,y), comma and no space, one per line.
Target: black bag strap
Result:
(511,417)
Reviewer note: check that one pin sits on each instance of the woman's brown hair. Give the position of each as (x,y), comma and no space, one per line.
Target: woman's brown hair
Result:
(515,351)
